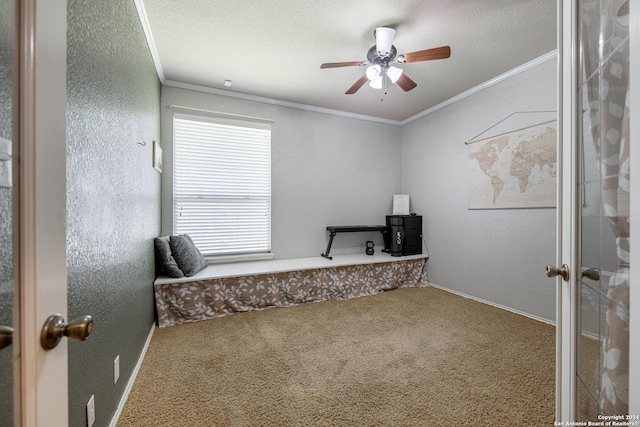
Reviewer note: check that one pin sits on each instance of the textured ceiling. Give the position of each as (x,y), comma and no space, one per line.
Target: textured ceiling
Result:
(274,48)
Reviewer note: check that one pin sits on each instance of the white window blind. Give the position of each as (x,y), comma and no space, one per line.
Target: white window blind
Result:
(222,184)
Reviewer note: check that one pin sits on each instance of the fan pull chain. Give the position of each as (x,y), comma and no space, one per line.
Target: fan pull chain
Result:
(384,86)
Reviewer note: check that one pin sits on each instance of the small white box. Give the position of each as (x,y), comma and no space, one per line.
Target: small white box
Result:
(401,204)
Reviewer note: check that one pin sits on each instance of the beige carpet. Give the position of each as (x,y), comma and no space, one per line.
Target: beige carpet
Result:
(408,357)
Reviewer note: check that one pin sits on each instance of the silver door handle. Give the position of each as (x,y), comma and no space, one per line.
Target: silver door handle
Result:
(54,329)
(6,336)
(555,271)
(591,273)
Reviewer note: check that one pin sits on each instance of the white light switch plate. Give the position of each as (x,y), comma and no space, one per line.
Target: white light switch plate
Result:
(5,163)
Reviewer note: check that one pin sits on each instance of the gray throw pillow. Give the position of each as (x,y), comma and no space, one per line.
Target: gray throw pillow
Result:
(189,258)
(164,259)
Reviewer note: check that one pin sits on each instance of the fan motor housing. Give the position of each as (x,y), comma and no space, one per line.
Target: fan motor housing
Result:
(374,58)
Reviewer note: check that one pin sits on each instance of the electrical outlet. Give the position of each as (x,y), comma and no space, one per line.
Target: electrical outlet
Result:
(91,412)
(116,369)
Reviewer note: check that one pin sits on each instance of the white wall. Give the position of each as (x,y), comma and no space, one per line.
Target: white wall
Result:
(326,170)
(495,255)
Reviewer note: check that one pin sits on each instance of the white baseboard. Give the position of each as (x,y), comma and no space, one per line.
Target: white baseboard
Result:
(522,313)
(132,379)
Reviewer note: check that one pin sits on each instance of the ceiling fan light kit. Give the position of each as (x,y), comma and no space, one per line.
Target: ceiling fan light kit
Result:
(394,73)
(374,72)
(377,83)
(379,57)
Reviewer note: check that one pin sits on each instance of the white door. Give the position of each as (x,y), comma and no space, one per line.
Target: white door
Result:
(39,220)
(594,215)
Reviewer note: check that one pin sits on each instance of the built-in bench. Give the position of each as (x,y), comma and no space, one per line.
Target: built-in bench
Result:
(223,289)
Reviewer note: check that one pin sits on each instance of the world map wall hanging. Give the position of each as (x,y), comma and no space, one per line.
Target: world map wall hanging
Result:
(517,169)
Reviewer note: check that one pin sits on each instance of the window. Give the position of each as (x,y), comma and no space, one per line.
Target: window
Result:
(222,184)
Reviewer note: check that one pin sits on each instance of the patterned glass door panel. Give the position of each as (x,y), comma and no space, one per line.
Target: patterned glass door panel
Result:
(603,285)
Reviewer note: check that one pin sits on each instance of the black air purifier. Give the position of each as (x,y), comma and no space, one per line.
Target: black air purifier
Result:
(405,234)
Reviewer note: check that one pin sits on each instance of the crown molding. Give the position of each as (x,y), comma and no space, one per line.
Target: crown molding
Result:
(273,101)
(553,55)
(513,72)
(278,102)
(144,21)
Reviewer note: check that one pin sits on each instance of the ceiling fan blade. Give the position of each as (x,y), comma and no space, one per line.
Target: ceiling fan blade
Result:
(357,85)
(441,52)
(342,64)
(406,83)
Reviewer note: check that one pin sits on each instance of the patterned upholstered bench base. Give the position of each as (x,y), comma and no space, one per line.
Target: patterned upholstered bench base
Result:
(200,297)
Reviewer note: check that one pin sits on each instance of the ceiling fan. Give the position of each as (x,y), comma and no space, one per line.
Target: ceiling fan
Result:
(379,58)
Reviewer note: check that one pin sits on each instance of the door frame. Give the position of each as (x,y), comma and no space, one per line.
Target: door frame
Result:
(566,310)
(41,274)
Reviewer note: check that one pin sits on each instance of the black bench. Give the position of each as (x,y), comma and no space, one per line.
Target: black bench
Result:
(335,229)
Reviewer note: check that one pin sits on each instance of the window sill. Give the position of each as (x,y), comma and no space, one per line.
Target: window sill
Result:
(225,259)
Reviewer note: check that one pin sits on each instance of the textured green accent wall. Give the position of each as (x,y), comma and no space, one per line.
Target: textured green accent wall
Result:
(7,38)
(113,197)
(7,27)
